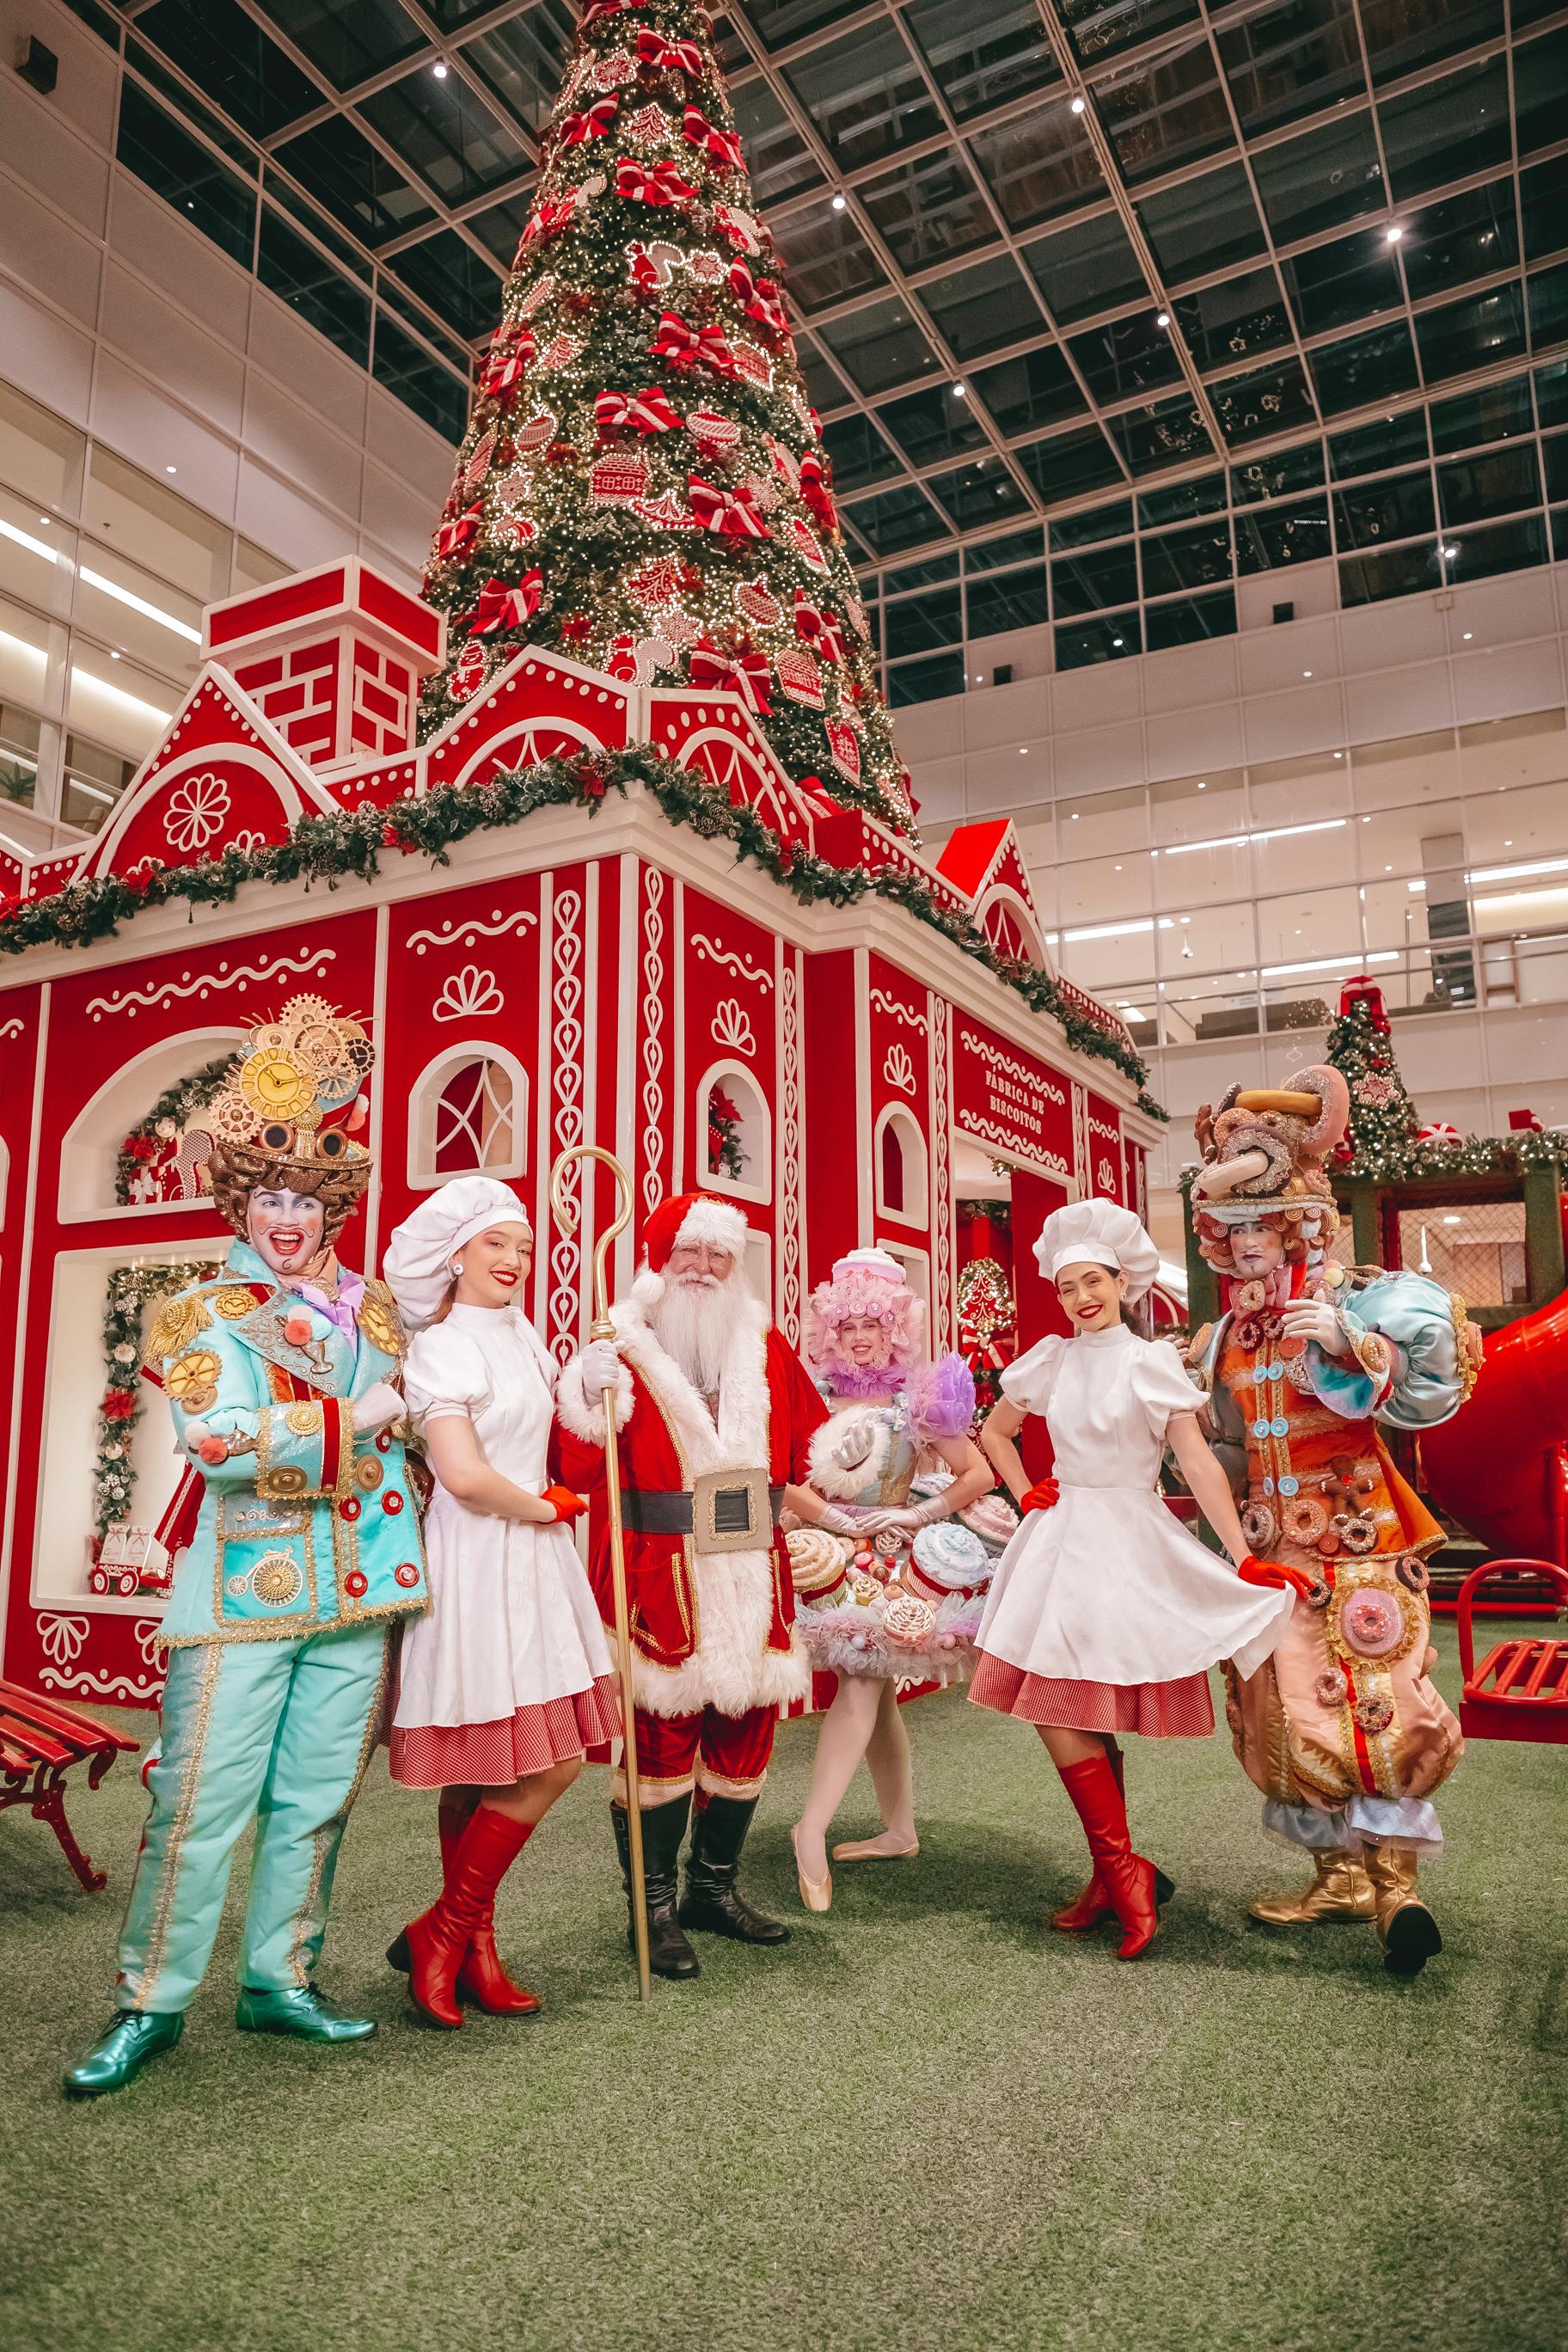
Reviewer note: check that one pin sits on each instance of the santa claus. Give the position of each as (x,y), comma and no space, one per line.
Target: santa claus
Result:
(716,1412)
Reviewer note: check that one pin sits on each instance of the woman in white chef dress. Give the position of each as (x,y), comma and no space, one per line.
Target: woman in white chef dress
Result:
(506,1683)
(1105,1615)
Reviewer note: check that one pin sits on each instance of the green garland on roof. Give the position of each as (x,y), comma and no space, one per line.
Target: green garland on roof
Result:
(330,849)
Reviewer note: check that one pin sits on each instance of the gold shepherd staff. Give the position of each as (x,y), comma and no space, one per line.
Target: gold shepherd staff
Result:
(566,1216)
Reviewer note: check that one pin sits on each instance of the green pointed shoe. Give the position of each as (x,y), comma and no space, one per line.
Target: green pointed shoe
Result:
(134,2039)
(303,2012)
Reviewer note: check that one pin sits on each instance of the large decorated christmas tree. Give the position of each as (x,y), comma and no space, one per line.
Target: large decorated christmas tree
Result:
(642,484)
(1382,1137)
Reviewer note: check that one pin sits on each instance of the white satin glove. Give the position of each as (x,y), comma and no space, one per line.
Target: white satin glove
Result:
(845,1519)
(379,1405)
(1311,1318)
(600,1366)
(909,1519)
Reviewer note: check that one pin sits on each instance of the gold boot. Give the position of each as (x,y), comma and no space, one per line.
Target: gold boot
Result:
(1339,1890)
(1406,1928)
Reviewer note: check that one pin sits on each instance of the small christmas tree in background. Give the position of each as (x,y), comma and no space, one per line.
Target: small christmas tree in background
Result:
(642,484)
(1382,1138)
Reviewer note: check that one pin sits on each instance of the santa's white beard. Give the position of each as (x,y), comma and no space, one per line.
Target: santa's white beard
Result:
(695,1322)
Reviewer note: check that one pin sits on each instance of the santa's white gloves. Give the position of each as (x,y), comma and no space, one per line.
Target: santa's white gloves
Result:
(855,1441)
(599,1367)
(379,1404)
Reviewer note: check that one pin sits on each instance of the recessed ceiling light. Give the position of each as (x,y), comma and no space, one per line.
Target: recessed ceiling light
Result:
(839,203)
(1393,235)
(1163,318)
(169,469)
(1468,635)
(1203,788)
(1453,1221)
(1306,673)
(961,391)
(1339,755)
(1119,640)
(439,70)
(1448,553)
(113,657)
(1078,106)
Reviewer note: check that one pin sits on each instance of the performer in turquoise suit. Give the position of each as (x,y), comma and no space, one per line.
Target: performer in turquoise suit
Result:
(299,1547)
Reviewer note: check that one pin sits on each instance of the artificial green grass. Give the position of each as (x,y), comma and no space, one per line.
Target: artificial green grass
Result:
(926,2122)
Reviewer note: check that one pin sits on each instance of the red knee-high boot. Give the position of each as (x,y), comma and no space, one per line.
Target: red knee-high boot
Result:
(1093,1904)
(1127,1878)
(433,1948)
(481,1980)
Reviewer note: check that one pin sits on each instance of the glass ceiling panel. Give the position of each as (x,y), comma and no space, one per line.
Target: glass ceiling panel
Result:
(1099,522)
(1271,400)
(1203,225)
(354,181)
(1099,28)
(1365,368)
(929,210)
(1468,235)
(880,347)
(1166,114)
(1540,92)
(348,39)
(1039,165)
(1446,130)
(981,308)
(1404,34)
(1024,395)
(458,284)
(1290,61)
(1473,333)
(780,162)
(1233,321)
(226,54)
(523,61)
(1543,202)
(932,425)
(860,455)
(1329,175)
(1127,356)
(1268,538)
(895,519)
(1085,268)
(866,95)
(1370,448)
(1354,278)
(451,137)
(1069,464)
(981,56)
(828,259)
(978,494)
(1277,475)
(1170,433)
(1181,502)
(1496,414)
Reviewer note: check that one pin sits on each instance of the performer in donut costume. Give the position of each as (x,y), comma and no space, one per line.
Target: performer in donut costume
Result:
(1105,1615)
(507,1684)
(296,1545)
(717,1413)
(895,1600)
(1343,1731)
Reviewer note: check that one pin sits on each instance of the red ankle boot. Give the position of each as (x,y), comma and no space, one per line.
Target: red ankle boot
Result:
(1127,1878)
(433,1950)
(1091,1904)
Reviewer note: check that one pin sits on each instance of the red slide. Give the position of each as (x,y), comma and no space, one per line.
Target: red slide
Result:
(1500,1466)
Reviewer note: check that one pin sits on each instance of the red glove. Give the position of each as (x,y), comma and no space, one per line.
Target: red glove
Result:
(1043,1496)
(567,1506)
(1273,1575)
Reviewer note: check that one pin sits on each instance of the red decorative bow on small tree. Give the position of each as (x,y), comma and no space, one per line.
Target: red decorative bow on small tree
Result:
(744,672)
(615,413)
(596,123)
(666,57)
(687,347)
(1363,990)
(662,185)
(731,514)
(461,532)
(501,609)
(722,145)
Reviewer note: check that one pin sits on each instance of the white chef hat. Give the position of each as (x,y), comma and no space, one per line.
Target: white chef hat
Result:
(1098,1232)
(418,1260)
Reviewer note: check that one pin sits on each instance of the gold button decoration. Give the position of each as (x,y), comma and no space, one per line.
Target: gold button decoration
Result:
(290,1479)
(192,1378)
(232,1303)
(304,1419)
(368,1473)
(378,1319)
(277,1578)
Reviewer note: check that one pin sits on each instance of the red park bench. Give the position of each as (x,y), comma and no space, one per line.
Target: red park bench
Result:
(40,1742)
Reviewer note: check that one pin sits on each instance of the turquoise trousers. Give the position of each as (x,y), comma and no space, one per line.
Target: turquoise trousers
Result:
(280,1732)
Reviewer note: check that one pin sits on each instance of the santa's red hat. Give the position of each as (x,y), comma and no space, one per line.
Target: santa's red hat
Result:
(691,1218)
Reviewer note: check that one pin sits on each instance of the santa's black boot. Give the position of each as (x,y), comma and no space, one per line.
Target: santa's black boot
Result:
(710,1904)
(663,1828)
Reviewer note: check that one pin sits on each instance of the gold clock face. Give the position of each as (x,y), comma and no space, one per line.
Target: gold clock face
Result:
(277,1082)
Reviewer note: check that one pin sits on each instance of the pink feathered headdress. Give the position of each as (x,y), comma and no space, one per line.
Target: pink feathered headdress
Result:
(867,1282)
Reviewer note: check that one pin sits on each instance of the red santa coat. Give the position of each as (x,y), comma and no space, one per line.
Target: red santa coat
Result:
(714,1629)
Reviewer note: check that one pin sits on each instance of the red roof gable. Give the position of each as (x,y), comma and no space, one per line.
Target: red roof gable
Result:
(971,852)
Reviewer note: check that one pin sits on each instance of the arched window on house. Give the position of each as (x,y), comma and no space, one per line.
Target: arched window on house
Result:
(734,1134)
(898,1155)
(469,1116)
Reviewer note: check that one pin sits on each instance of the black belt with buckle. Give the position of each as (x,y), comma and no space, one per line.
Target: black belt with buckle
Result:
(652,1514)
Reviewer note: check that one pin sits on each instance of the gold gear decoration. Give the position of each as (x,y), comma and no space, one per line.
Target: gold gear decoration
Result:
(321,1046)
(276,1081)
(229,1119)
(232,1303)
(305,1011)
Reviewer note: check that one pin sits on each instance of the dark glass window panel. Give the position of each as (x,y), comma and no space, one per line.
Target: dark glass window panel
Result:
(1180,502)
(289,200)
(457,283)
(1554,453)
(1552,394)
(1272,538)
(1099,28)
(1374,448)
(1380,510)
(822,385)
(896,519)
(97,20)
(1012,600)
(978,56)
(1560,534)
(524,59)
(1036,389)
(978,494)
(1088,268)
(1497,483)
(314,287)
(1038,164)
(1268,401)
(1186,559)
(348,39)
(1401,34)
(1166,114)
(1497,413)
(1114,638)
(226,54)
(354,181)
(925,681)
(981,308)
(1548,291)
(1235,320)
(1013,547)
(828,258)
(1446,130)
(1540,92)
(1290,61)
(928,211)
(933,424)
(1276,477)
(390,298)
(917,624)
(782,21)
(728,47)
(1364,368)
(1093,579)
(1189,621)
(499,228)
(1330,174)
(1393,572)
(1203,225)
(418,381)
(1125,356)
(1473,333)
(859,454)
(183,173)
(187,109)
(1471,235)
(1069,464)
(1501,546)
(1544,205)
(777,157)
(1332,285)
(866,95)
(880,347)
(452,14)
(931,571)
(1167,433)
(1114,522)
(452,139)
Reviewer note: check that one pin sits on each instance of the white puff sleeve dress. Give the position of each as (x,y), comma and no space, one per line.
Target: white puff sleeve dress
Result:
(1104,1613)
(509,1672)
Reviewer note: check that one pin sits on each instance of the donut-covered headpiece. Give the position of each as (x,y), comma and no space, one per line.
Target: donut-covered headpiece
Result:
(865,1282)
(1264,1149)
(1098,1232)
(281,1121)
(417,1262)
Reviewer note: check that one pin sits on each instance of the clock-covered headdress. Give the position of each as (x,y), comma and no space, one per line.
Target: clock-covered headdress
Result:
(281,1121)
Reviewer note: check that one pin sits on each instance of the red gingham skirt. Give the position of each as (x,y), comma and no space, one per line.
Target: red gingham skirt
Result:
(1177,1710)
(494,1755)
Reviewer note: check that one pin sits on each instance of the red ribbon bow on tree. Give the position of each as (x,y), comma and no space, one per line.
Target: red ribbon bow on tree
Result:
(509,360)
(814,491)
(597,8)
(648,412)
(744,672)
(817,628)
(758,297)
(722,145)
(730,513)
(501,608)
(684,346)
(1364,991)
(461,532)
(673,57)
(662,185)
(596,123)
